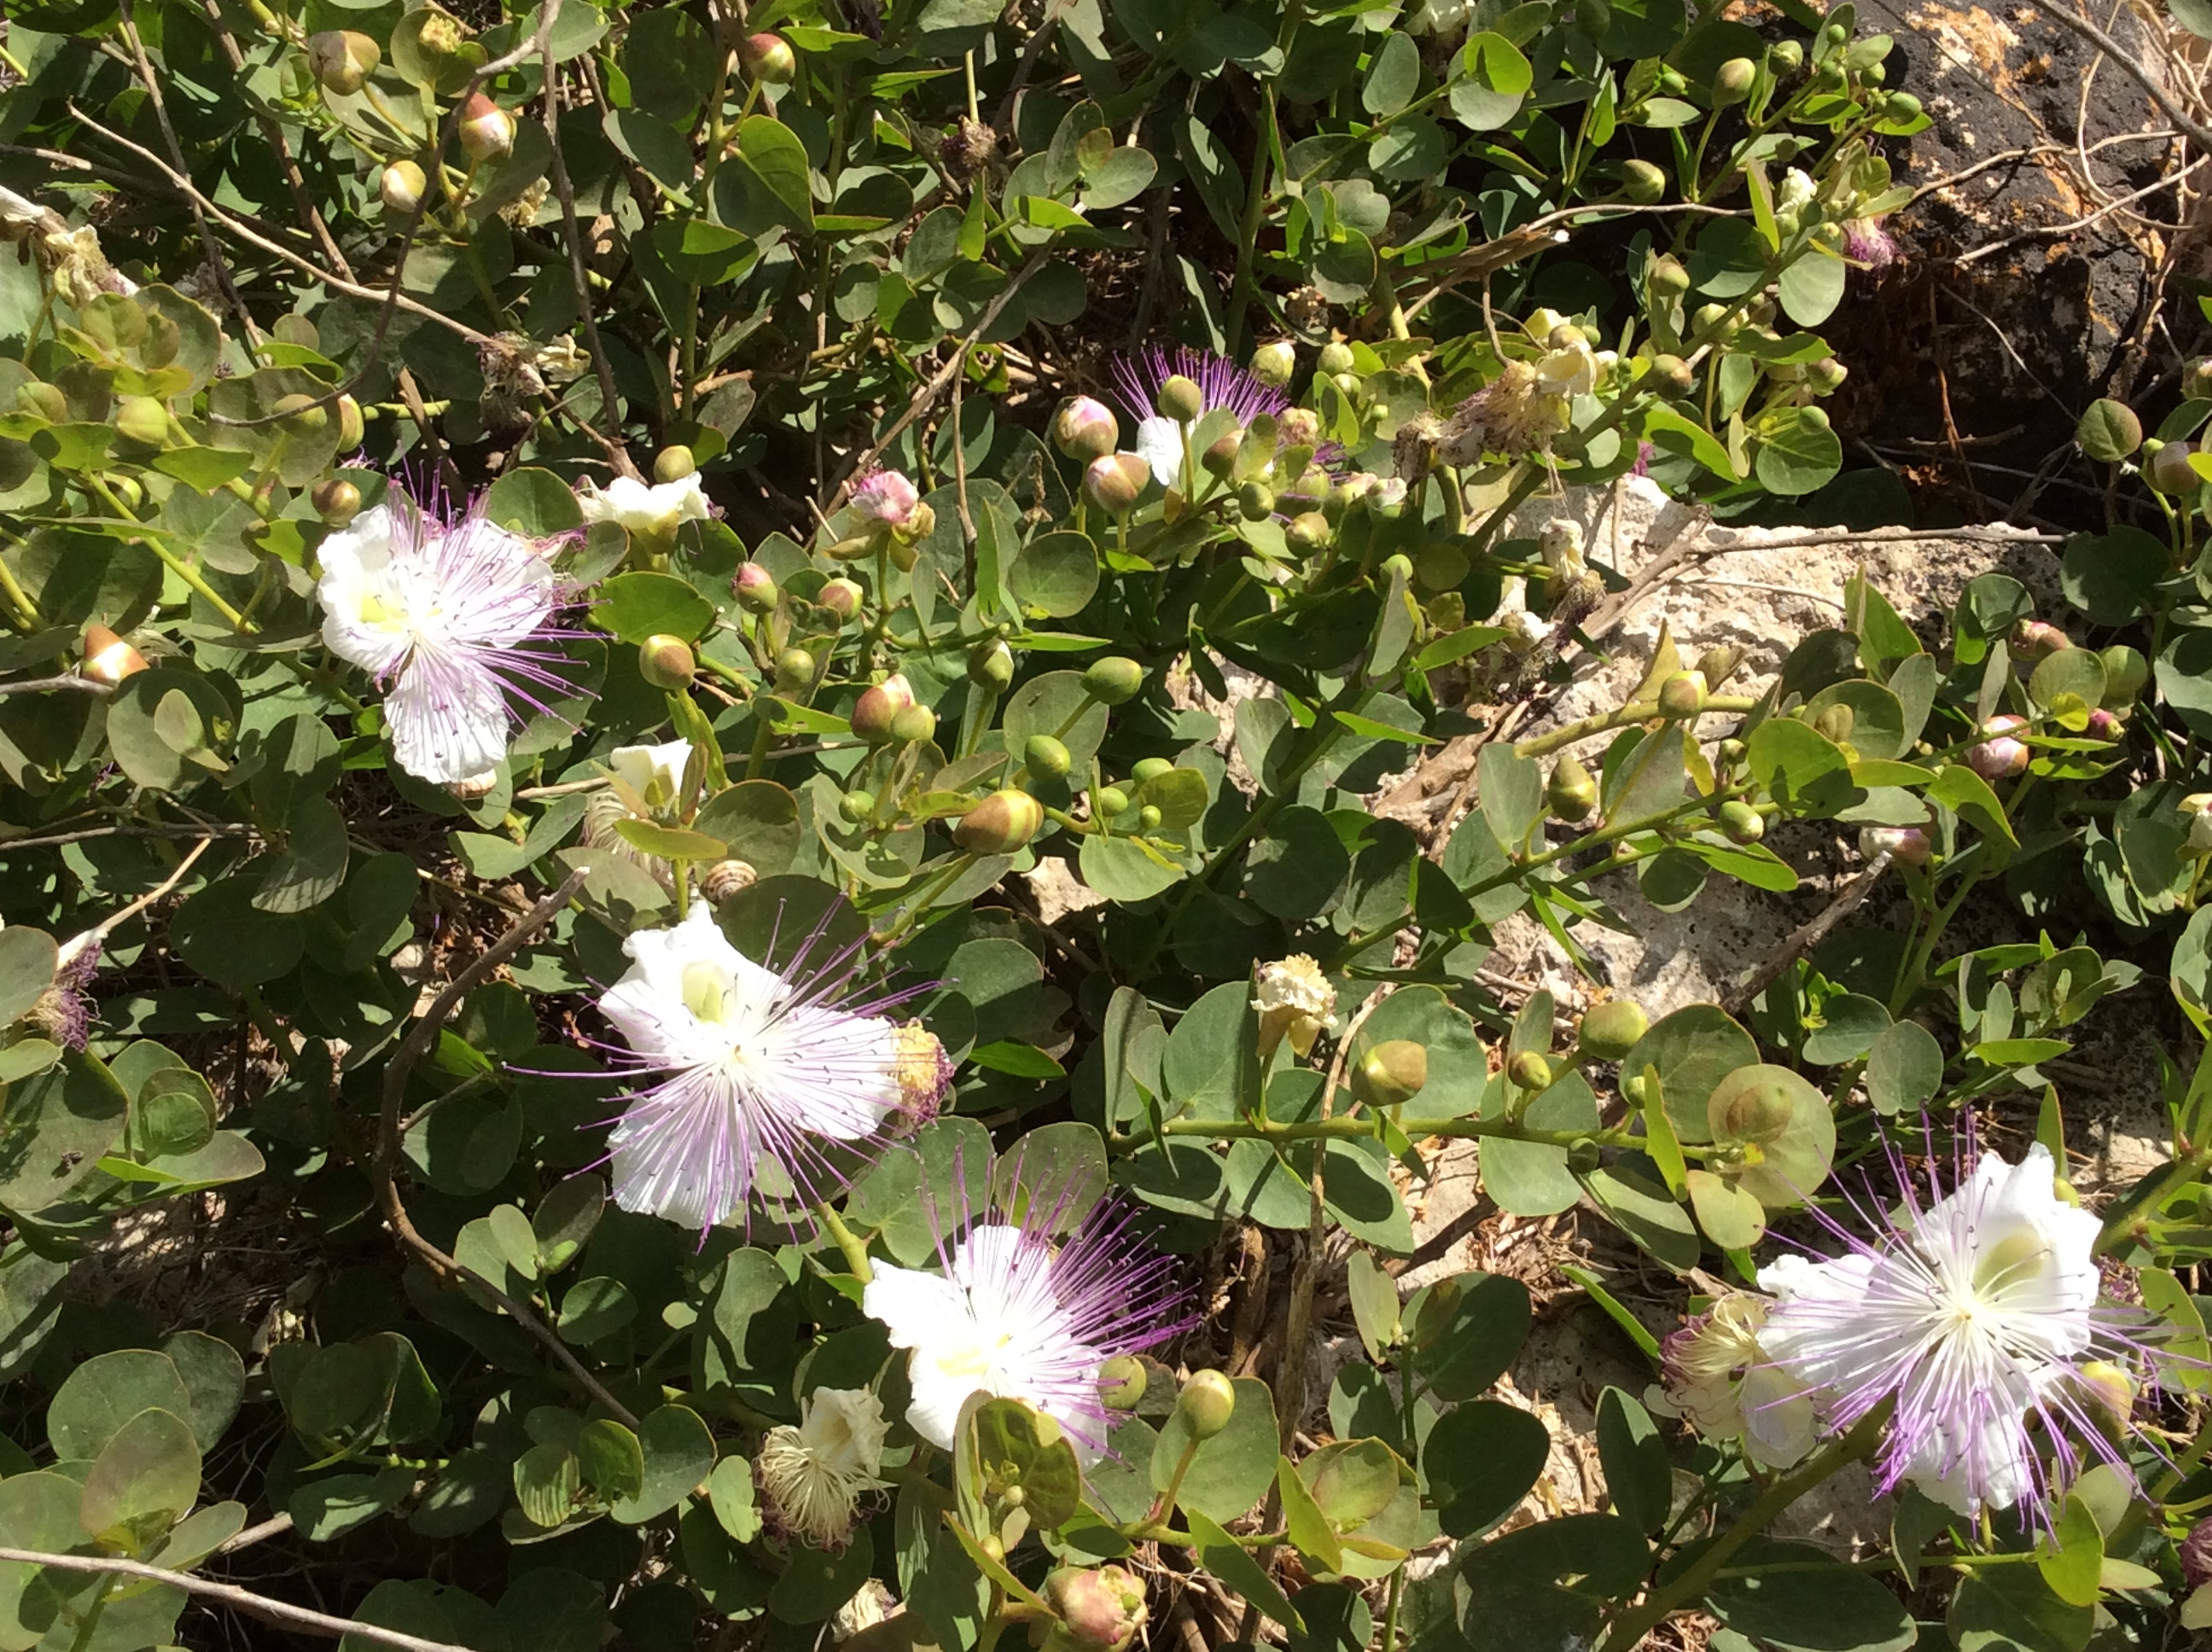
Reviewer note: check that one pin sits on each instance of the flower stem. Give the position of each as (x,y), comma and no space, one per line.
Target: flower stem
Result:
(1687,1585)
(854,1247)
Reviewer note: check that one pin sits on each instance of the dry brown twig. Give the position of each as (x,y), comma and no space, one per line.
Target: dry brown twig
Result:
(256,1605)
(385,1164)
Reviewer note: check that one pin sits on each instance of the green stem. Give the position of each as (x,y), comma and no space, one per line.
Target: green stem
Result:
(27,611)
(1639,710)
(854,1247)
(1689,1584)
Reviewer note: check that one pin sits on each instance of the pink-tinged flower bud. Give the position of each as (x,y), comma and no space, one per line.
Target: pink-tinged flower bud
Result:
(841,597)
(1113,482)
(879,707)
(1002,823)
(1998,755)
(1085,429)
(1299,427)
(1101,1610)
(2035,639)
(768,59)
(886,496)
(1273,362)
(1907,843)
(754,587)
(342,58)
(2103,725)
(401,187)
(487,129)
(107,658)
(2168,470)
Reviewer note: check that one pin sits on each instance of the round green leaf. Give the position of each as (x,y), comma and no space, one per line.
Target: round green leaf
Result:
(1481,1459)
(1904,1069)
(1055,574)
(100,1396)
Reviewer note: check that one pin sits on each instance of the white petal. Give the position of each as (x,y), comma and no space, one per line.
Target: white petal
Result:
(448,720)
(1159,444)
(916,1309)
(1993,1463)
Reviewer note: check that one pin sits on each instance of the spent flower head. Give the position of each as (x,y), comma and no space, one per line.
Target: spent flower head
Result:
(815,1474)
(1722,1383)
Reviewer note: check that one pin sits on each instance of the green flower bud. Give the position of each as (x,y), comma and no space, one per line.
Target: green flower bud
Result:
(1181,399)
(1673,370)
(1046,757)
(2109,431)
(666,662)
(342,59)
(1219,457)
(1785,57)
(1718,320)
(1151,768)
(1150,817)
(1827,374)
(1391,1074)
(1741,823)
(857,806)
(1530,1071)
(1642,182)
(1732,81)
(673,463)
(1274,362)
(1901,105)
(1308,531)
(991,665)
(1205,1404)
(1113,680)
(302,415)
(1836,722)
(1123,1380)
(1256,502)
(1749,1105)
(350,424)
(794,669)
(45,401)
(1682,695)
(2196,379)
(1572,792)
(337,500)
(1335,357)
(2126,673)
(842,597)
(915,725)
(1108,803)
(1610,1031)
(143,420)
(1002,823)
